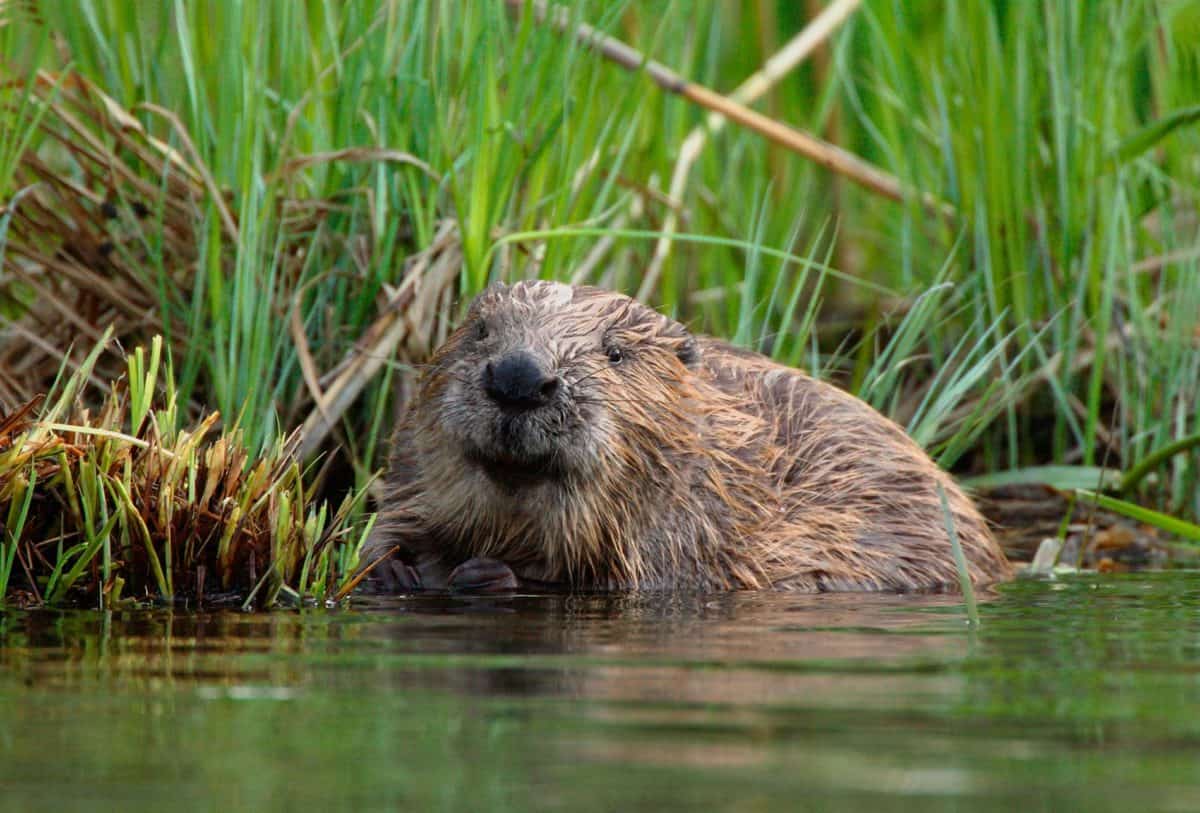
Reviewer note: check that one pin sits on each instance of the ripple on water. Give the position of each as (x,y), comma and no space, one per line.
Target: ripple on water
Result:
(1079,693)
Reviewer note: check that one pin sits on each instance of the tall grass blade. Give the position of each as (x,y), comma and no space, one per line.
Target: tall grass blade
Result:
(1156,519)
(960,560)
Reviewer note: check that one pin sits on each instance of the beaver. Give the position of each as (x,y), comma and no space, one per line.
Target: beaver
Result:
(571,436)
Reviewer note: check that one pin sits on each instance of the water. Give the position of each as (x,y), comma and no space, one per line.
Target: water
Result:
(1081,694)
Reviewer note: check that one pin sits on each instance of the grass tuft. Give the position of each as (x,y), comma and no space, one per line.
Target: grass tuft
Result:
(116,504)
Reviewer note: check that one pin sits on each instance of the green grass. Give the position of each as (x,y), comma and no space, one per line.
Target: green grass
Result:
(1054,322)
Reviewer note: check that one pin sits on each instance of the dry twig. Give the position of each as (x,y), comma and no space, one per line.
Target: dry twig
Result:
(415,316)
(774,69)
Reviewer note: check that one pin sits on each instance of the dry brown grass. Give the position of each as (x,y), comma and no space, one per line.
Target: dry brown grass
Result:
(103,232)
(76,254)
(114,504)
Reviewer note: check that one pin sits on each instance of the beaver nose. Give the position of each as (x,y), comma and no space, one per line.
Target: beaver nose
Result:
(517,381)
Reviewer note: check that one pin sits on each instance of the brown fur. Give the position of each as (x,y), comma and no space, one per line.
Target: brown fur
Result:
(681,463)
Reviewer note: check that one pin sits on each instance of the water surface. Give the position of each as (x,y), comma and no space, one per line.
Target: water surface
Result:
(1077,694)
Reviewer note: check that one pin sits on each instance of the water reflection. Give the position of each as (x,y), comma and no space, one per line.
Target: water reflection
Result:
(1070,693)
(680,647)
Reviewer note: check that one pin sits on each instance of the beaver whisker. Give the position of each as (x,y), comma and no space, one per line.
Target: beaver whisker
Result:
(576,382)
(591,399)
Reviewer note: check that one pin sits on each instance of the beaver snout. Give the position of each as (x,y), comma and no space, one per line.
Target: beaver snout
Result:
(517,381)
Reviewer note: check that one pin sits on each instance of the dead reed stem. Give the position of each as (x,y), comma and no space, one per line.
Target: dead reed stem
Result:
(831,156)
(774,69)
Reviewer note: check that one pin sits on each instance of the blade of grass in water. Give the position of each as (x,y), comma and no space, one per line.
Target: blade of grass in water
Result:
(960,561)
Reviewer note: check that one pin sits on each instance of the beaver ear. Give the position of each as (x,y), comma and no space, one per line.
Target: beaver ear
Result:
(688,351)
(494,288)
(487,293)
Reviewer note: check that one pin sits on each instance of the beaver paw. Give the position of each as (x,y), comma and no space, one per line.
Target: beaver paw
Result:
(394,576)
(482,576)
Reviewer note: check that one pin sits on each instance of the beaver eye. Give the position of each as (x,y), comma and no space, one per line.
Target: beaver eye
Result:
(481,330)
(614,354)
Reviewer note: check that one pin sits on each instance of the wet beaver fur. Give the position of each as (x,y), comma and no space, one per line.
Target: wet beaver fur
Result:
(572,436)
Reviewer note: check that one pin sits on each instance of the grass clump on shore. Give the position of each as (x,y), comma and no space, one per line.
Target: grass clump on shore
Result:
(119,504)
(294,195)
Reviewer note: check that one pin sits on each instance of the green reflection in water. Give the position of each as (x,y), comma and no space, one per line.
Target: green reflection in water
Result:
(1080,694)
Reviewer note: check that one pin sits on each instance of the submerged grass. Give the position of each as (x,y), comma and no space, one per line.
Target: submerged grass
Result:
(292,195)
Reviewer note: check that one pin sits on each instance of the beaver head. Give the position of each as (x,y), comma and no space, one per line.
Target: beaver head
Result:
(545,385)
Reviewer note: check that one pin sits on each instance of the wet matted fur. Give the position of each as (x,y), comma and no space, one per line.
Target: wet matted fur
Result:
(656,459)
